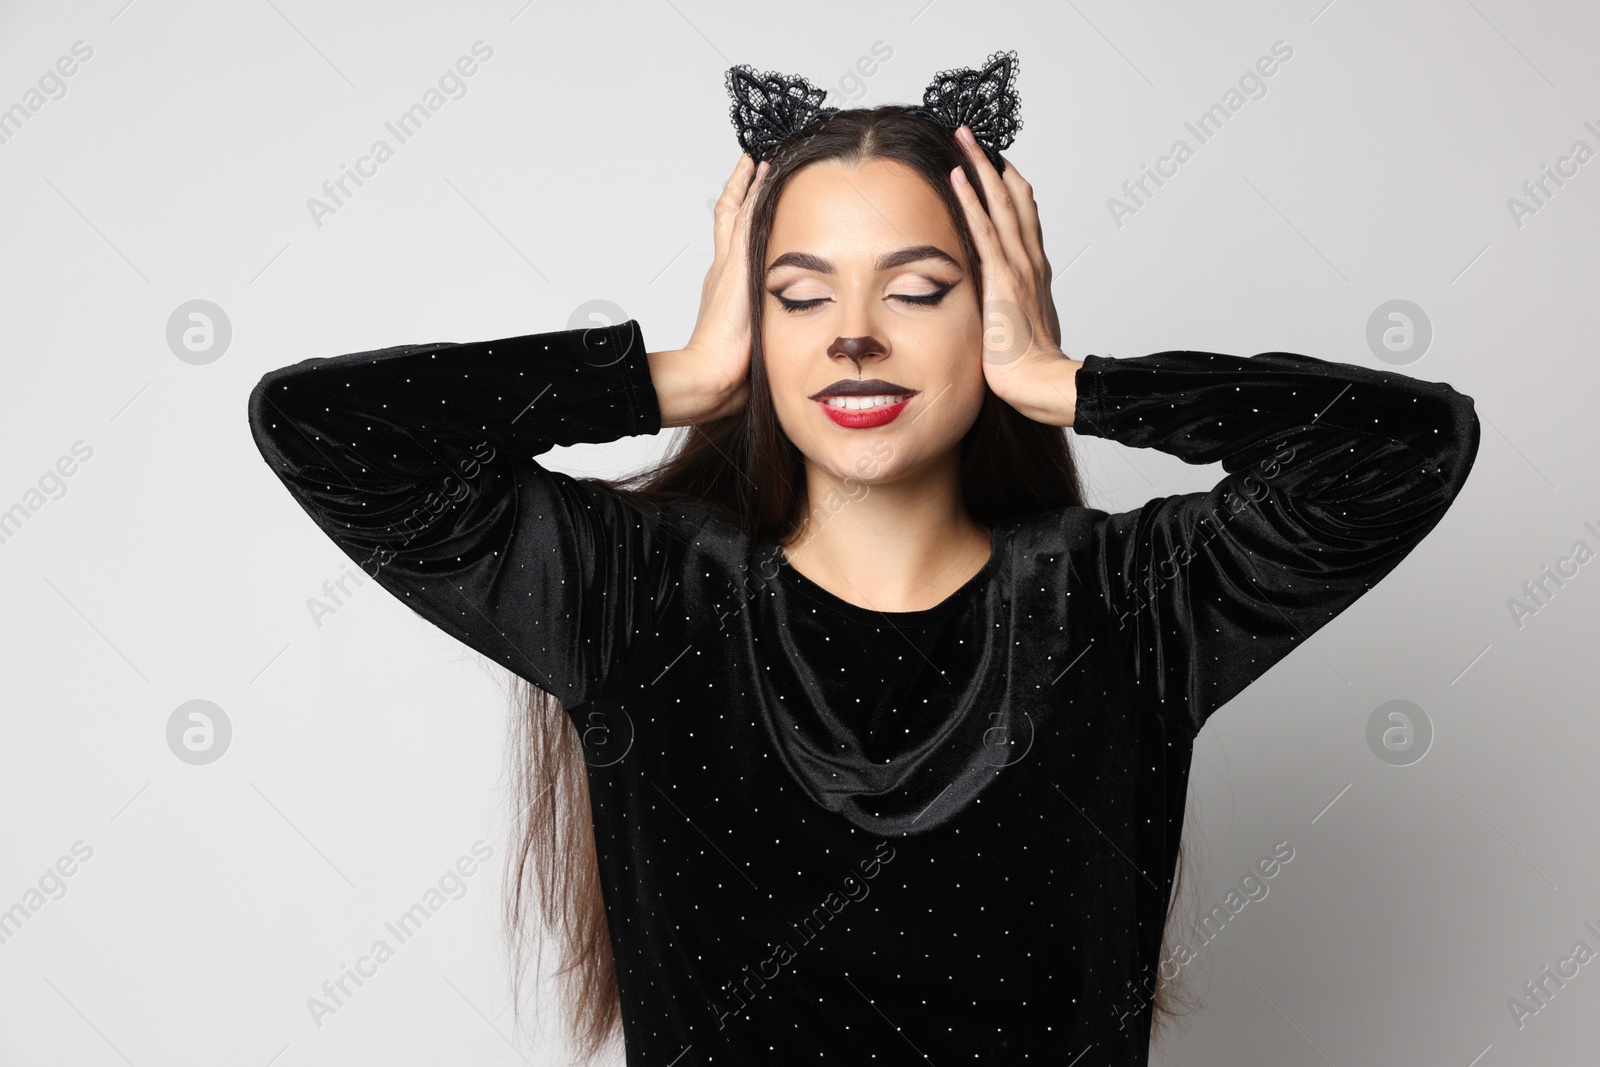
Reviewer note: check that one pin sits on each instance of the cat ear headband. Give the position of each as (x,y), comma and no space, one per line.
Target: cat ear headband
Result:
(770,107)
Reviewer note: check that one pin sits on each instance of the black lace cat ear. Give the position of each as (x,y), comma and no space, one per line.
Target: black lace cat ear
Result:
(769,107)
(985,100)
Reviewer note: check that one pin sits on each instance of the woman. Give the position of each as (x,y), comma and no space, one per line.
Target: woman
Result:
(884,735)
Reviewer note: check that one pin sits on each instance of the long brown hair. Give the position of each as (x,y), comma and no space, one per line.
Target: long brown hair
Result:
(746,470)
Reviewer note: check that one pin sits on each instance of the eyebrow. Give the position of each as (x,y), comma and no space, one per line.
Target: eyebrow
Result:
(887,261)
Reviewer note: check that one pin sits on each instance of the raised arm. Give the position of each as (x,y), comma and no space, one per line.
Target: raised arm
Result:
(419,462)
(1335,473)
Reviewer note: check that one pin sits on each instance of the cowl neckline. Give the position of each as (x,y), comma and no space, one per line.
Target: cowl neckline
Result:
(909,756)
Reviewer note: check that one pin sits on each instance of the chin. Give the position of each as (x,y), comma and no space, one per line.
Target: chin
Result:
(878,461)
(863,459)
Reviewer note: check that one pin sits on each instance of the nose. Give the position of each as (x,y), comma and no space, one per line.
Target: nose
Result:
(857,348)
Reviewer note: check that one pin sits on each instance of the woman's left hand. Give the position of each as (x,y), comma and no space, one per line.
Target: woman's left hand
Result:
(1022,358)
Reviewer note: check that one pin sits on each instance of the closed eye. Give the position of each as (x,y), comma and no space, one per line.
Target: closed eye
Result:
(925,300)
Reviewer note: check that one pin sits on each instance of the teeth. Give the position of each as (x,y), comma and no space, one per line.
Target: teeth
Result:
(862,403)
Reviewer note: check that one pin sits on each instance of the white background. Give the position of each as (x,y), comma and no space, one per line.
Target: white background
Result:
(367,753)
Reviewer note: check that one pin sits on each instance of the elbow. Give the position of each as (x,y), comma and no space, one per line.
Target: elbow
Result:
(1443,447)
(256,405)
(259,412)
(1462,451)
(274,421)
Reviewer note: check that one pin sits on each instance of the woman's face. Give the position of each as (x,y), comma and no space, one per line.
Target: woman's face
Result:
(866,282)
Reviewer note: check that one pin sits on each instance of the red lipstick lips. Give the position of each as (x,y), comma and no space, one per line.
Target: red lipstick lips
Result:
(868,402)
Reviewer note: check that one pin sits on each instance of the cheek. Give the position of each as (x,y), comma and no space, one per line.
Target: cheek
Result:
(964,387)
(783,365)
(959,362)
(786,380)
(953,347)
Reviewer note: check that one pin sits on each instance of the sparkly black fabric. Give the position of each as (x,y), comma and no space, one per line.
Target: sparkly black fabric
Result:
(832,835)
(770,107)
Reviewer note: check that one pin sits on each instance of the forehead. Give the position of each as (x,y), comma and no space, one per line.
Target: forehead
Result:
(847,213)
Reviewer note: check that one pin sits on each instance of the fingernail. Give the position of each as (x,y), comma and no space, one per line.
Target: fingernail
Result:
(965,133)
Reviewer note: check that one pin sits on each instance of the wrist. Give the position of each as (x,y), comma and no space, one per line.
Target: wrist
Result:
(1060,400)
(1069,375)
(685,393)
(1041,386)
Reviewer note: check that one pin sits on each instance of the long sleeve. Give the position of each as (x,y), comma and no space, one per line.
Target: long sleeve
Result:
(419,462)
(1334,474)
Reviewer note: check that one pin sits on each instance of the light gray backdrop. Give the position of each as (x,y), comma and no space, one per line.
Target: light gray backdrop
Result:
(570,176)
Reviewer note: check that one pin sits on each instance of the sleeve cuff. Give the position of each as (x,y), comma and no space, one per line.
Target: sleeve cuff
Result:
(634,366)
(1089,400)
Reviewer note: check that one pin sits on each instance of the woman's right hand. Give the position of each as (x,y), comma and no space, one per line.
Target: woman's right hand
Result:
(720,344)
(708,378)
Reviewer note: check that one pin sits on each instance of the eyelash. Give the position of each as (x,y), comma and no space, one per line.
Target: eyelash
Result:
(926,300)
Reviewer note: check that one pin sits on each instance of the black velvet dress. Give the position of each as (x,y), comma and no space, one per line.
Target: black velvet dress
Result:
(833,835)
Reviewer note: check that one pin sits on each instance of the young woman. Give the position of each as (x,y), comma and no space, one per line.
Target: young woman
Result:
(851,735)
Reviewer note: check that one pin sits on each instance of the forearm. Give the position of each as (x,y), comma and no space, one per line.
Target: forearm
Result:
(1207,407)
(369,442)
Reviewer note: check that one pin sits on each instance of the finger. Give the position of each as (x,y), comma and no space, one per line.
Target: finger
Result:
(725,212)
(731,209)
(1002,210)
(984,234)
(747,205)
(999,282)
(733,190)
(738,255)
(1027,216)
(1033,238)
(740,176)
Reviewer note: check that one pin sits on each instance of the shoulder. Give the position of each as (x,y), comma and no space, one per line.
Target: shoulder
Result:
(1054,532)
(700,535)
(1051,553)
